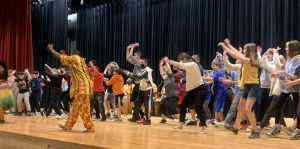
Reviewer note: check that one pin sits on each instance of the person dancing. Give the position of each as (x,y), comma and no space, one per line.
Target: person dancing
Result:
(81,89)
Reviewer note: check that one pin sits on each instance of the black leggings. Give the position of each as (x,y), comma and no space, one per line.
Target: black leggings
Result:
(196,96)
(280,105)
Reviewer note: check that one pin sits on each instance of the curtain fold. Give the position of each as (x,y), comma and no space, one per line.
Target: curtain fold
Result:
(16,34)
(168,27)
(49,25)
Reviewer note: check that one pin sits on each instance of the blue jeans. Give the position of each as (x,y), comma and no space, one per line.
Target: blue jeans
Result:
(234,106)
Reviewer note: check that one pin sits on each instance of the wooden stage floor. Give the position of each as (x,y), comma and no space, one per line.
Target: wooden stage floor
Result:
(127,135)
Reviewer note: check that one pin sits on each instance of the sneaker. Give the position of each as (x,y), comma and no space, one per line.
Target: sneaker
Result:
(118,120)
(132,120)
(235,131)
(18,114)
(227,126)
(58,117)
(2,121)
(108,115)
(254,135)
(103,119)
(274,132)
(147,122)
(179,126)
(209,122)
(295,135)
(163,121)
(287,130)
(202,130)
(140,121)
(191,123)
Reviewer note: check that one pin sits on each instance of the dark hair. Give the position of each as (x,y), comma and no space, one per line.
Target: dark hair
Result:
(146,61)
(183,56)
(196,58)
(4,75)
(138,52)
(94,62)
(293,47)
(118,71)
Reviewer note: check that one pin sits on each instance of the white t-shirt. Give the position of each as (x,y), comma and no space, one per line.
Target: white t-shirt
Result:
(193,75)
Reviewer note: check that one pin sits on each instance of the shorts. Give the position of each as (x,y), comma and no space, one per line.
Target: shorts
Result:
(118,101)
(109,96)
(250,91)
(219,105)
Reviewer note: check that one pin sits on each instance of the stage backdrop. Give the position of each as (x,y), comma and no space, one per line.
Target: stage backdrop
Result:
(49,25)
(168,27)
(15,34)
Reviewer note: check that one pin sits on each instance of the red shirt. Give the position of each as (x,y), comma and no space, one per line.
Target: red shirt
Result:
(98,80)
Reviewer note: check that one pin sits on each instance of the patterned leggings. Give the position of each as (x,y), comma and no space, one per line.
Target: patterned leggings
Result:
(81,106)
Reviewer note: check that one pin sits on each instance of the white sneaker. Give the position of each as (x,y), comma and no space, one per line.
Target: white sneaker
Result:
(58,117)
(202,130)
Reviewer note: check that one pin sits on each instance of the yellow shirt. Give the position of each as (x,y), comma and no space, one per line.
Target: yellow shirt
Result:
(249,74)
(81,83)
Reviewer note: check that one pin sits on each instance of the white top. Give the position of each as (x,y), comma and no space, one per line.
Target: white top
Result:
(193,75)
(146,83)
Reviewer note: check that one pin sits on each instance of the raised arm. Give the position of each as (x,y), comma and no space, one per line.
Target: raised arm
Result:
(129,53)
(161,62)
(28,74)
(234,53)
(228,65)
(52,51)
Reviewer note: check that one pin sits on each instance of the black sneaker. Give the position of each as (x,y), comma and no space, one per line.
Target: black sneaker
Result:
(274,132)
(147,122)
(254,135)
(191,123)
(108,115)
(163,121)
(2,121)
(132,120)
(18,114)
(103,118)
(295,135)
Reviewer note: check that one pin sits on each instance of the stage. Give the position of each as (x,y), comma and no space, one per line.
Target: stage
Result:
(42,133)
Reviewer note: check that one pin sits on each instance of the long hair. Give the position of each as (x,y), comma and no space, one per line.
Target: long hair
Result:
(251,52)
(293,47)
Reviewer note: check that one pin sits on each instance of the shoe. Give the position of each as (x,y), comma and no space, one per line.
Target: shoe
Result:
(89,131)
(58,117)
(208,122)
(163,121)
(147,122)
(118,120)
(227,126)
(132,120)
(217,124)
(108,115)
(235,131)
(2,121)
(274,132)
(202,130)
(140,121)
(179,126)
(103,119)
(18,114)
(254,135)
(62,127)
(295,135)
(287,130)
(191,123)
(29,114)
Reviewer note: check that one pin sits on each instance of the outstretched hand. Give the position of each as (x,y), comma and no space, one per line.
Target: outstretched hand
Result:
(226,41)
(50,46)
(259,49)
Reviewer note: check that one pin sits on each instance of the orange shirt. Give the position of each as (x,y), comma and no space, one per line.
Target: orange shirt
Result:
(80,82)
(117,83)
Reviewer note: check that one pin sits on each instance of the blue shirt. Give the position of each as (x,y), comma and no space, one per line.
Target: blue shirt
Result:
(218,85)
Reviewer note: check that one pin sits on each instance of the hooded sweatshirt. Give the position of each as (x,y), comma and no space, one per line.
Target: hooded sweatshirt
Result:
(117,83)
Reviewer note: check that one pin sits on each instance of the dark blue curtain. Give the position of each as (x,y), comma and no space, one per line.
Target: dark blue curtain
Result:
(49,25)
(168,27)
